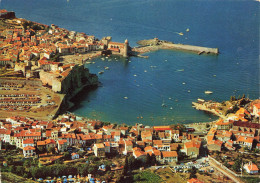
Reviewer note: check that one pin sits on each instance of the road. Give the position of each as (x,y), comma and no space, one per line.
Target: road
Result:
(226,173)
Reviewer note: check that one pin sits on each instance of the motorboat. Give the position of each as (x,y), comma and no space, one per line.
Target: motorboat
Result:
(208,92)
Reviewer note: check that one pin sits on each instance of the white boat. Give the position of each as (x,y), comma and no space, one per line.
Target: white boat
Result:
(201,100)
(125,97)
(107,68)
(208,92)
(171,108)
(187,30)
(163,104)
(101,72)
(180,70)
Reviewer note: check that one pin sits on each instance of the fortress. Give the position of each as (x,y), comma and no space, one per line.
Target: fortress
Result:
(7,14)
(116,48)
(119,48)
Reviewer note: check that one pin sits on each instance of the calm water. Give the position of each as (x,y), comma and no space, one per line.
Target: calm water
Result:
(175,78)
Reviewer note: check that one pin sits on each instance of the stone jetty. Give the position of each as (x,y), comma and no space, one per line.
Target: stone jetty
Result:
(156,44)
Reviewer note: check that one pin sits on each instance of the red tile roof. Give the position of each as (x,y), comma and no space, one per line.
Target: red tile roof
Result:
(28,141)
(27,148)
(169,154)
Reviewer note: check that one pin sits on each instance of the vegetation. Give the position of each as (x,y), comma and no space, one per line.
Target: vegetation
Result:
(30,25)
(193,173)
(8,177)
(237,165)
(251,179)
(146,176)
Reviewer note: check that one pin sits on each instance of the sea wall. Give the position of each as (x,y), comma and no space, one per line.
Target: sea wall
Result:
(198,49)
(21,81)
(156,44)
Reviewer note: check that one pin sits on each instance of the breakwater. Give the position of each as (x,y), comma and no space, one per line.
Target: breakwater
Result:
(156,44)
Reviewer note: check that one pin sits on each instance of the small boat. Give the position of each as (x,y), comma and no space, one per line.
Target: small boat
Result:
(101,72)
(208,92)
(107,68)
(171,108)
(135,75)
(180,33)
(187,30)
(183,83)
(180,70)
(125,97)
(163,104)
(201,100)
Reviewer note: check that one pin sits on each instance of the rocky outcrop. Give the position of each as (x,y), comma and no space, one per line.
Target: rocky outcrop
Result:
(77,78)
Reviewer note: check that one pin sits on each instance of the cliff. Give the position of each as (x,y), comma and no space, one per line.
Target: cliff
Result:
(77,79)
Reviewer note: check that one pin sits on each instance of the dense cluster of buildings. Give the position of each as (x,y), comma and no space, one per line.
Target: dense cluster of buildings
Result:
(32,48)
(164,142)
(33,136)
(237,130)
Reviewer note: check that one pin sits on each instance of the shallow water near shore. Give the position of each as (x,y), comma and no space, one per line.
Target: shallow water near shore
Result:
(135,91)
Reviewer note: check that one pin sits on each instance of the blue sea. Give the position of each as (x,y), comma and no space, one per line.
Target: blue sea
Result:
(134,89)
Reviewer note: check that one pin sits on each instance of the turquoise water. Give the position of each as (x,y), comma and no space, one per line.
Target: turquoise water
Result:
(231,26)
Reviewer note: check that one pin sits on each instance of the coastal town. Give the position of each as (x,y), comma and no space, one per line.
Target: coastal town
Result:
(39,142)
(34,58)
(107,152)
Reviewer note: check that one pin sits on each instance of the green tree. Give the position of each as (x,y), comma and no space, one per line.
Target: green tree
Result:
(237,165)
(193,173)
(83,170)
(93,169)
(67,155)
(27,164)
(153,160)
(40,149)
(125,170)
(51,150)
(147,161)
(131,163)
(19,170)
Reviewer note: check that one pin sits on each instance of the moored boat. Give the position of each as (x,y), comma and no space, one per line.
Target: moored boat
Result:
(208,92)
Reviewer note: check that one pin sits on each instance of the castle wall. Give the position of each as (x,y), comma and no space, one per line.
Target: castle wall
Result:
(20,81)
(7,15)
(77,78)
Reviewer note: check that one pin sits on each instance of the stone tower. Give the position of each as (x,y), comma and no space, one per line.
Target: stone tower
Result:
(125,51)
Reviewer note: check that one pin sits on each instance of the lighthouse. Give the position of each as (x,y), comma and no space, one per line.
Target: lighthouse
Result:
(125,51)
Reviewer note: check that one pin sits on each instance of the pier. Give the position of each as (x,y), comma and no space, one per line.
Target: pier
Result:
(156,44)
